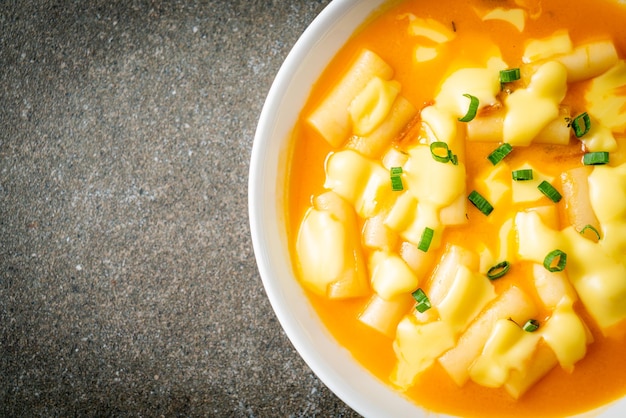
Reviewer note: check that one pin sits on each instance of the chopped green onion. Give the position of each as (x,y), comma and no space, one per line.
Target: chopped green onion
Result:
(396,184)
(437,156)
(499,153)
(523,174)
(498,270)
(426,239)
(480,202)
(512,74)
(471,111)
(531,325)
(555,261)
(453,158)
(581,124)
(592,228)
(549,190)
(423,303)
(596,158)
(441,153)
(396,179)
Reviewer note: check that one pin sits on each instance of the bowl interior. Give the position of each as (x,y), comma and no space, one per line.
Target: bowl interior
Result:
(331,363)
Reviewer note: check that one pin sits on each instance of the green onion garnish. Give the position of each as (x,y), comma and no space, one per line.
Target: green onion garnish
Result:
(498,270)
(426,239)
(555,261)
(581,124)
(549,190)
(471,111)
(531,325)
(396,179)
(480,202)
(440,152)
(512,74)
(423,303)
(499,153)
(396,184)
(453,158)
(596,158)
(592,228)
(442,156)
(522,175)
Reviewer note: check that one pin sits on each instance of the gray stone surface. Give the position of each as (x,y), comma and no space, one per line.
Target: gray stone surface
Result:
(128,285)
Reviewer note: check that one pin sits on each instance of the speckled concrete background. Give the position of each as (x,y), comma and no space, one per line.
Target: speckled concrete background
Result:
(128,285)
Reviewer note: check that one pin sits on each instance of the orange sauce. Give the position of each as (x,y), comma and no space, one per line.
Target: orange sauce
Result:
(601,376)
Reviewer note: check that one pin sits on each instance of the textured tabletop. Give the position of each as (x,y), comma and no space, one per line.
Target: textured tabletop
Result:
(128,285)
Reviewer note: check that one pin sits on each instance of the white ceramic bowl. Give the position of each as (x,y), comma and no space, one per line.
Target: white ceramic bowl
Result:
(329,361)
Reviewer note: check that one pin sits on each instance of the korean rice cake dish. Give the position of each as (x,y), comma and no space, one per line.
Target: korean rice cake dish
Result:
(456,203)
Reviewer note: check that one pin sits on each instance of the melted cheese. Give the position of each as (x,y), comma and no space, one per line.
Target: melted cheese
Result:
(331,261)
(421,169)
(531,109)
(516,17)
(540,49)
(428,28)
(508,348)
(417,344)
(482,83)
(391,276)
(363,182)
(606,99)
(433,339)
(372,105)
(513,303)
(331,118)
(494,183)
(599,138)
(597,276)
(469,294)
(566,334)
